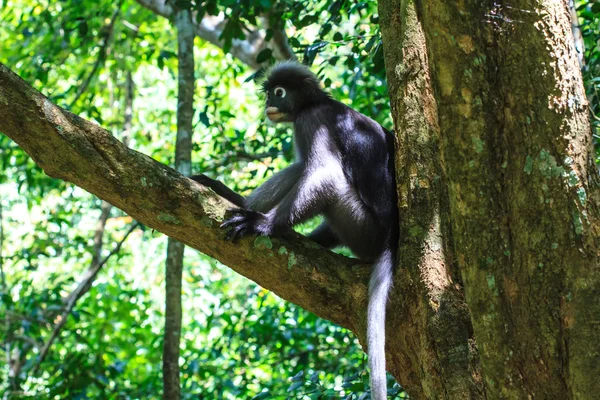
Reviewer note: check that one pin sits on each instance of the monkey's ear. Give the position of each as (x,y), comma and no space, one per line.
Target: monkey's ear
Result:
(311,84)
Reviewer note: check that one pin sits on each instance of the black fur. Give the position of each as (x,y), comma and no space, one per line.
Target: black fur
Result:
(220,189)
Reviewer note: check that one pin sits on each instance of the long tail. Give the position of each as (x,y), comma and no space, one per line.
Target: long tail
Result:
(220,189)
(379,287)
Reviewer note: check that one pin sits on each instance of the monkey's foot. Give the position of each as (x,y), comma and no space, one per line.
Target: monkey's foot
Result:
(245,222)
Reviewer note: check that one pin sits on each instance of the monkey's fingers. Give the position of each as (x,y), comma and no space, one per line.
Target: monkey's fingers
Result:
(236,232)
(234,215)
(233,221)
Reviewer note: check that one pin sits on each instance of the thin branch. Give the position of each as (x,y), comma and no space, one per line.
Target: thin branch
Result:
(29,340)
(14,316)
(577,35)
(3,283)
(102,53)
(3,286)
(86,281)
(211,28)
(282,48)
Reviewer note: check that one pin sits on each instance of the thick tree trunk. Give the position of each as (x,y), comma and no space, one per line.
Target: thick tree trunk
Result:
(516,161)
(432,354)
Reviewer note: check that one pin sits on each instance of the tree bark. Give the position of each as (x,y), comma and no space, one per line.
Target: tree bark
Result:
(183,164)
(517,164)
(432,352)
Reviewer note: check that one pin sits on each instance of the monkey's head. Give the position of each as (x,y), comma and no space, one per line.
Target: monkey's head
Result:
(290,88)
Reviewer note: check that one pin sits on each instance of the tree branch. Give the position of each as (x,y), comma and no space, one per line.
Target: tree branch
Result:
(577,35)
(73,149)
(211,28)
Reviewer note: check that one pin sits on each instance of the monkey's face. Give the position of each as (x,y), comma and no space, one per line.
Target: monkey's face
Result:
(280,104)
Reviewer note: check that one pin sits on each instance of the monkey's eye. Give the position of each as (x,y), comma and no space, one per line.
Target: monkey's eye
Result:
(279,91)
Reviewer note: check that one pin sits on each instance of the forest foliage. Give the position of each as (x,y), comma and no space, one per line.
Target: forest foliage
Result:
(238,340)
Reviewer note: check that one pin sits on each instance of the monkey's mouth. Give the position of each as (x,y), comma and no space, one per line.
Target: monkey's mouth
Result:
(274,114)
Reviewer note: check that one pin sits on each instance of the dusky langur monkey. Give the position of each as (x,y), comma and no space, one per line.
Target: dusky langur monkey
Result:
(344,171)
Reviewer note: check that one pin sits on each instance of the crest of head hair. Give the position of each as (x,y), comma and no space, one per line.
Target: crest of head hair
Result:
(291,74)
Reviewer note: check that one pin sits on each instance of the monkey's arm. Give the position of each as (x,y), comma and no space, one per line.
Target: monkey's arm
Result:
(270,193)
(307,197)
(219,188)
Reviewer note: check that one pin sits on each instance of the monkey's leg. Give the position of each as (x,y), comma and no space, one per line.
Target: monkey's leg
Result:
(325,236)
(270,193)
(219,188)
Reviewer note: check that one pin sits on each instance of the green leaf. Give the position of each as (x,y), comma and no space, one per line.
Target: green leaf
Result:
(311,52)
(371,43)
(294,386)
(294,42)
(264,56)
(204,119)
(262,395)
(298,376)
(83,29)
(183,4)
(269,34)
(226,114)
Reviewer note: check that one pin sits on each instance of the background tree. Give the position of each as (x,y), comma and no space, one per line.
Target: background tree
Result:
(183,164)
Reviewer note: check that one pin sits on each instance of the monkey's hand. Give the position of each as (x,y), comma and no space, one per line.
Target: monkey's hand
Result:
(245,222)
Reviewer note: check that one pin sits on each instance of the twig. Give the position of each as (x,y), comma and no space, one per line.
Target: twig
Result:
(76,294)
(13,316)
(29,340)
(101,55)
(2,276)
(280,39)
(7,349)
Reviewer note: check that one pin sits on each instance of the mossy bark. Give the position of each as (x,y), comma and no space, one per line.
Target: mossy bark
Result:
(516,161)
(433,353)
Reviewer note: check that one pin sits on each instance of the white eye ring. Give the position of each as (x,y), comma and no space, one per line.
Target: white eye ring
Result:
(279,91)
